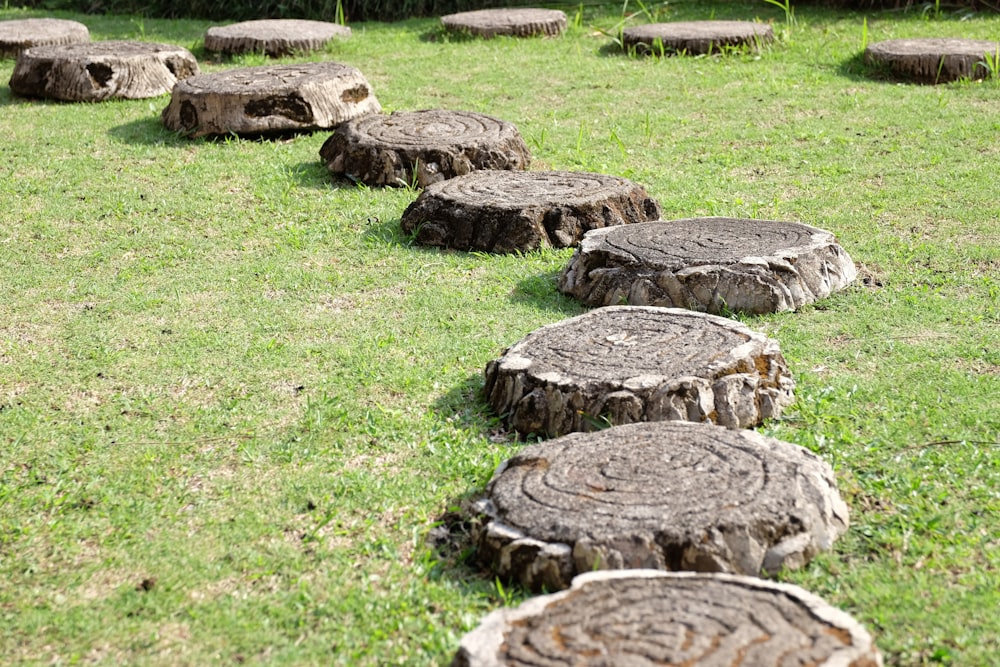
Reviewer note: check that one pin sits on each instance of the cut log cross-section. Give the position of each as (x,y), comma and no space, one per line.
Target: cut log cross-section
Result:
(274,37)
(934,59)
(695,37)
(21,34)
(515,22)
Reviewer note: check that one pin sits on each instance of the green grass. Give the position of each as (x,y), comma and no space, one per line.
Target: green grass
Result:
(234,398)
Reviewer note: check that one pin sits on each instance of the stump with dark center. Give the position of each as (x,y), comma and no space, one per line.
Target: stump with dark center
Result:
(508,211)
(21,34)
(646,617)
(934,60)
(422,147)
(695,37)
(708,264)
(517,22)
(269,99)
(274,37)
(625,364)
(94,71)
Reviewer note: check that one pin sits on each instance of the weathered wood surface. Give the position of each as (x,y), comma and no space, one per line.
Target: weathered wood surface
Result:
(708,264)
(422,147)
(20,34)
(695,37)
(516,22)
(269,99)
(274,37)
(510,211)
(95,71)
(647,617)
(935,59)
(625,364)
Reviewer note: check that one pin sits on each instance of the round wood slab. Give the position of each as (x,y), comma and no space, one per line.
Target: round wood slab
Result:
(269,99)
(933,60)
(94,71)
(708,264)
(660,495)
(422,147)
(694,37)
(275,37)
(518,22)
(21,34)
(647,617)
(624,364)
(508,211)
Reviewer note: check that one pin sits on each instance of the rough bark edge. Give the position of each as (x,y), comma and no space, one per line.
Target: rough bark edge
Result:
(274,46)
(643,45)
(551,27)
(73,34)
(928,68)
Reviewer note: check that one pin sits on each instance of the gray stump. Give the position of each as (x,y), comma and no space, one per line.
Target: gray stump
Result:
(695,37)
(518,22)
(21,34)
(274,37)
(933,60)
(509,211)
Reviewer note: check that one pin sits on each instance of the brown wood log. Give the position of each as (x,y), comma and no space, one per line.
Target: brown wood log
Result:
(274,37)
(20,34)
(934,60)
(695,37)
(516,22)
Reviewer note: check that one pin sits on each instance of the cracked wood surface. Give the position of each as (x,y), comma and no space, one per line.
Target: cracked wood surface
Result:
(274,37)
(20,34)
(695,37)
(515,22)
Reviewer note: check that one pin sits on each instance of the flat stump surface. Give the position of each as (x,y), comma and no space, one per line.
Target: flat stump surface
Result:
(647,617)
(508,211)
(422,147)
(625,364)
(708,264)
(517,22)
(95,71)
(274,37)
(934,59)
(269,99)
(695,37)
(663,495)
(21,34)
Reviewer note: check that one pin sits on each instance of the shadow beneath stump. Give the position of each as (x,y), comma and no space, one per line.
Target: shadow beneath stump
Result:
(146,132)
(542,291)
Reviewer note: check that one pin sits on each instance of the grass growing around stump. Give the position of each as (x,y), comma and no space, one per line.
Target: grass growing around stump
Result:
(234,398)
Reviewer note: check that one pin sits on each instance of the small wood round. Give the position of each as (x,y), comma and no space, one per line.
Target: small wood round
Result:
(933,60)
(21,34)
(95,71)
(274,37)
(625,364)
(708,264)
(422,147)
(509,211)
(519,22)
(695,37)
(269,99)
(647,617)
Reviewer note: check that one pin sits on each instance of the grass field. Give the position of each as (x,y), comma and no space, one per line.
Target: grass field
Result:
(234,397)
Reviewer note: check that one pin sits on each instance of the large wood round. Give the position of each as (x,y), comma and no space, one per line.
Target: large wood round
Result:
(517,22)
(933,60)
(94,71)
(21,34)
(269,99)
(422,147)
(695,37)
(625,364)
(661,495)
(509,211)
(646,617)
(275,37)
(708,264)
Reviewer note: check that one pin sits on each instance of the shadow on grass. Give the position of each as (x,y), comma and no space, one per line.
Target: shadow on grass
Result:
(146,132)
(542,291)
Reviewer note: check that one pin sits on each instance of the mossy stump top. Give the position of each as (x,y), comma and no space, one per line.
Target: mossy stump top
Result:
(934,59)
(695,37)
(515,22)
(20,34)
(274,37)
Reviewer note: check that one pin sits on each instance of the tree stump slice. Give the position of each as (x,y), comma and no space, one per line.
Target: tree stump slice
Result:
(695,37)
(95,71)
(624,364)
(21,34)
(933,60)
(274,37)
(647,617)
(269,99)
(422,147)
(510,211)
(709,265)
(517,22)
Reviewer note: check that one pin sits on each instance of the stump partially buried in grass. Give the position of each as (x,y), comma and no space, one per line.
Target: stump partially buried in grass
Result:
(21,34)
(274,37)
(695,37)
(509,211)
(516,22)
(935,59)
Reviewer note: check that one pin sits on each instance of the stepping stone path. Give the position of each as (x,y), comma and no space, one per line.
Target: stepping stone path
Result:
(694,37)
(661,495)
(21,34)
(522,22)
(274,37)
(933,60)
(627,364)
(422,147)
(508,211)
(95,71)
(269,99)
(645,617)
(708,264)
